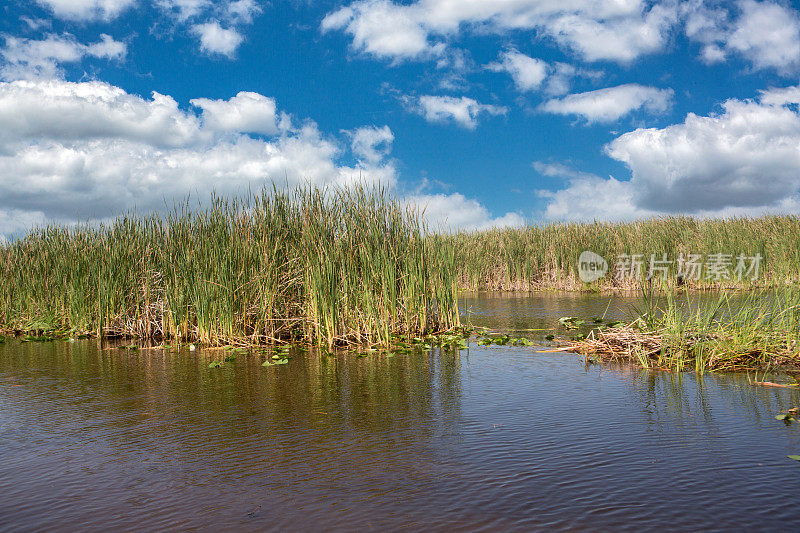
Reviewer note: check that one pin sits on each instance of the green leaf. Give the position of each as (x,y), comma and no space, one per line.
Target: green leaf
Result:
(795,457)
(780,417)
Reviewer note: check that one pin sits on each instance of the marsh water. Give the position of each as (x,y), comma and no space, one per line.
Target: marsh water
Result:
(482,439)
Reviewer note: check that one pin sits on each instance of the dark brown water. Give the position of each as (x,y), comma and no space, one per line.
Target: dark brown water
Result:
(485,439)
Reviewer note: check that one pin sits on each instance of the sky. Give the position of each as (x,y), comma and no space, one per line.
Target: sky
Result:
(483,112)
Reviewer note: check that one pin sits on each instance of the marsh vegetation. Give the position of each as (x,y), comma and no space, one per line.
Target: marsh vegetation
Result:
(759,331)
(327,267)
(358,267)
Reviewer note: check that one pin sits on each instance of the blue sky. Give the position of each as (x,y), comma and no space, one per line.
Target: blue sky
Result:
(486,112)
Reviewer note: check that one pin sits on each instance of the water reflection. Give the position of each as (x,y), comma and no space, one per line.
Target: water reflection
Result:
(483,439)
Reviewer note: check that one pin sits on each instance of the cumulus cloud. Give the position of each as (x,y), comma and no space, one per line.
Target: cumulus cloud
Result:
(91,150)
(371,144)
(527,72)
(29,58)
(383,29)
(611,103)
(214,39)
(744,160)
(247,112)
(17,221)
(454,212)
(595,30)
(87,9)
(463,111)
(588,197)
(748,156)
(767,34)
(68,112)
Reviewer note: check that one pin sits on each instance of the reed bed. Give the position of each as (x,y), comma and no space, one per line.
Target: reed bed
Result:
(322,266)
(758,332)
(546,256)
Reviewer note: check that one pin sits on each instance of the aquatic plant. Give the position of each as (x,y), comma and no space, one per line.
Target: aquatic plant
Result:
(761,330)
(545,256)
(323,266)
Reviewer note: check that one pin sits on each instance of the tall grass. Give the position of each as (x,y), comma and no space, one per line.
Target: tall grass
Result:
(760,330)
(546,256)
(330,267)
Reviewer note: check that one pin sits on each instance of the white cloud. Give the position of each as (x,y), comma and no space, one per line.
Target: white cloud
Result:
(17,221)
(66,112)
(371,144)
(453,212)
(742,161)
(28,58)
(242,11)
(621,39)
(527,72)
(184,9)
(767,34)
(91,150)
(589,197)
(620,30)
(612,103)
(531,73)
(463,111)
(214,39)
(87,9)
(747,156)
(383,29)
(247,112)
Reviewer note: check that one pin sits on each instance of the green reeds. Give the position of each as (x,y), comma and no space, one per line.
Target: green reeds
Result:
(323,266)
(546,256)
(757,331)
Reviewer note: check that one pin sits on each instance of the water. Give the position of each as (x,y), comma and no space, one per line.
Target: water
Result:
(491,438)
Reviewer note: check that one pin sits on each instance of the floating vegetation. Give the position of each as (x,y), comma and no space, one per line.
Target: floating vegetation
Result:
(503,340)
(760,331)
(281,358)
(328,267)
